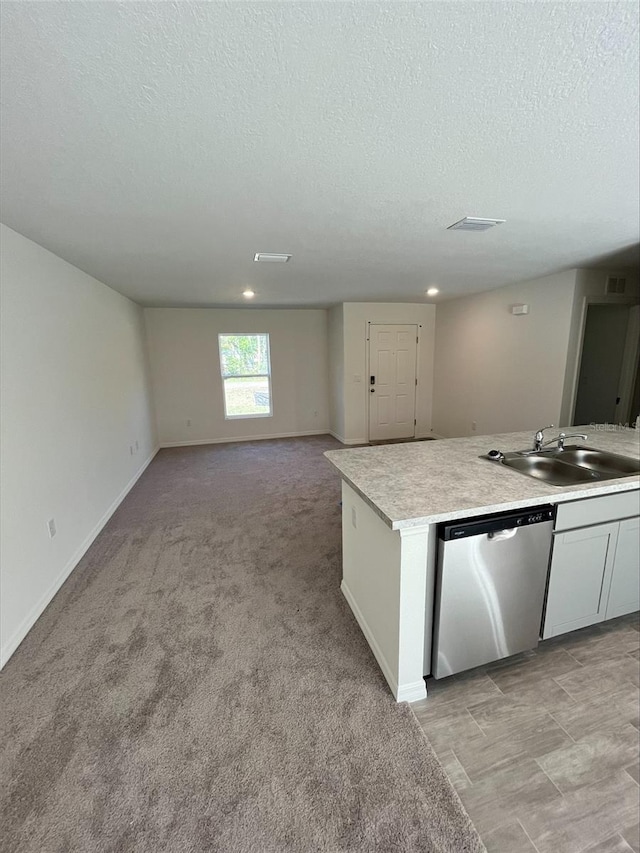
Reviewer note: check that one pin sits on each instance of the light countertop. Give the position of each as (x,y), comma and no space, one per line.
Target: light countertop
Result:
(422,482)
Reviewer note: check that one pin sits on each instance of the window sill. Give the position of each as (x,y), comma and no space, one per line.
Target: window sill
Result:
(246,417)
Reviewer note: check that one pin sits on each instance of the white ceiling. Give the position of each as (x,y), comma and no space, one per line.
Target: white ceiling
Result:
(158,146)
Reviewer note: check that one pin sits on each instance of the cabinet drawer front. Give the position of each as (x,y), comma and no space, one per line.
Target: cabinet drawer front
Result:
(597,510)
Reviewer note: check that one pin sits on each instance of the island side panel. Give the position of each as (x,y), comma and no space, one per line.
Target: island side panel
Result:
(384,581)
(371,580)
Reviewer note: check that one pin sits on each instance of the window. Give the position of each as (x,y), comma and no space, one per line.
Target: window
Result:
(246,375)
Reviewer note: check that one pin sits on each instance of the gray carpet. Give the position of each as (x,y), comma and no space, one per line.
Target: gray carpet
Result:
(199,683)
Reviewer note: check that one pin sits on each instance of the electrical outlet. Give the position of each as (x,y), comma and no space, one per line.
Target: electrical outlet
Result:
(354,518)
(51,527)
(474,426)
(188,422)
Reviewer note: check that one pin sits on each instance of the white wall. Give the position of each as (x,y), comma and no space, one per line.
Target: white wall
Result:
(335,320)
(75,398)
(357,315)
(185,370)
(505,372)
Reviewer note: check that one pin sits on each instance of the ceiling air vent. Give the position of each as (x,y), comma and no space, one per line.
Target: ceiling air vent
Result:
(271,257)
(616,284)
(474,223)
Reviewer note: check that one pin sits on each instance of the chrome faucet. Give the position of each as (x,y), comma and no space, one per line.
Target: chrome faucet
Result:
(564,435)
(539,436)
(561,439)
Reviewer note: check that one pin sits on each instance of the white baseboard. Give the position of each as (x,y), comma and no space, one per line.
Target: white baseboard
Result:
(233,439)
(348,441)
(402,692)
(412,692)
(375,648)
(37,610)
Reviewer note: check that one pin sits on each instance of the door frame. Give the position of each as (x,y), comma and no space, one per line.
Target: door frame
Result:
(418,327)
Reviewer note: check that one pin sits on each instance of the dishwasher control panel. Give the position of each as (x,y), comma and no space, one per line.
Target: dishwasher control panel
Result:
(487,524)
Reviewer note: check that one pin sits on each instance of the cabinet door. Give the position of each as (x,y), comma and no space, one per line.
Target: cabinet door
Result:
(624,595)
(579,578)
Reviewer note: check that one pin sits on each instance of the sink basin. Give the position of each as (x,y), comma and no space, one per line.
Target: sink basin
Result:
(550,469)
(572,466)
(598,460)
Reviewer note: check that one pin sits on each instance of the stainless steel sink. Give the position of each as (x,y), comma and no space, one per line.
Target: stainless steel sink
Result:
(569,467)
(598,460)
(551,470)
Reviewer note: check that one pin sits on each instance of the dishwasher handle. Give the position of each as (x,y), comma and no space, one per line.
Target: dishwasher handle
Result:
(501,535)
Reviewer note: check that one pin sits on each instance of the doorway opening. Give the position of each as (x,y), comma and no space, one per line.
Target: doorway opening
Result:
(607,388)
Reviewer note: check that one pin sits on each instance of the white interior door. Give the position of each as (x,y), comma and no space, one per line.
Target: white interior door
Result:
(392,381)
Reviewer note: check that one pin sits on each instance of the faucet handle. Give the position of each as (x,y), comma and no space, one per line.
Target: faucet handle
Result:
(538,437)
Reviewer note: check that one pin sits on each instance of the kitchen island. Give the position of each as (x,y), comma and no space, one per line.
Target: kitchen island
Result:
(393,497)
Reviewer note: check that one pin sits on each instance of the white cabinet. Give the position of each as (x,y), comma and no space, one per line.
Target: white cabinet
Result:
(594,575)
(581,568)
(624,594)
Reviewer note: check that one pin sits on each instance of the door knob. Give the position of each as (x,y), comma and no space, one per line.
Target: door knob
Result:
(372,391)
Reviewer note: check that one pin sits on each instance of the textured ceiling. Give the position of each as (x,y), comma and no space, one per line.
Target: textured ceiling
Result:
(158,146)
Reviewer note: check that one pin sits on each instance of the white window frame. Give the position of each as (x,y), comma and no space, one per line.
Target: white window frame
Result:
(266,376)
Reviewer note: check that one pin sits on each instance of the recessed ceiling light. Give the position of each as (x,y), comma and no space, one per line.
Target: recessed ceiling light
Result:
(271,257)
(433,291)
(248,294)
(475,223)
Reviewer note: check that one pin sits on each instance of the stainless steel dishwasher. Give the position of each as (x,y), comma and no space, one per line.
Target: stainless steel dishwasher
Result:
(491,582)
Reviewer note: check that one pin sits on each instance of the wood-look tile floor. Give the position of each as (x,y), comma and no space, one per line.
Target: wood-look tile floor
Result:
(543,747)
